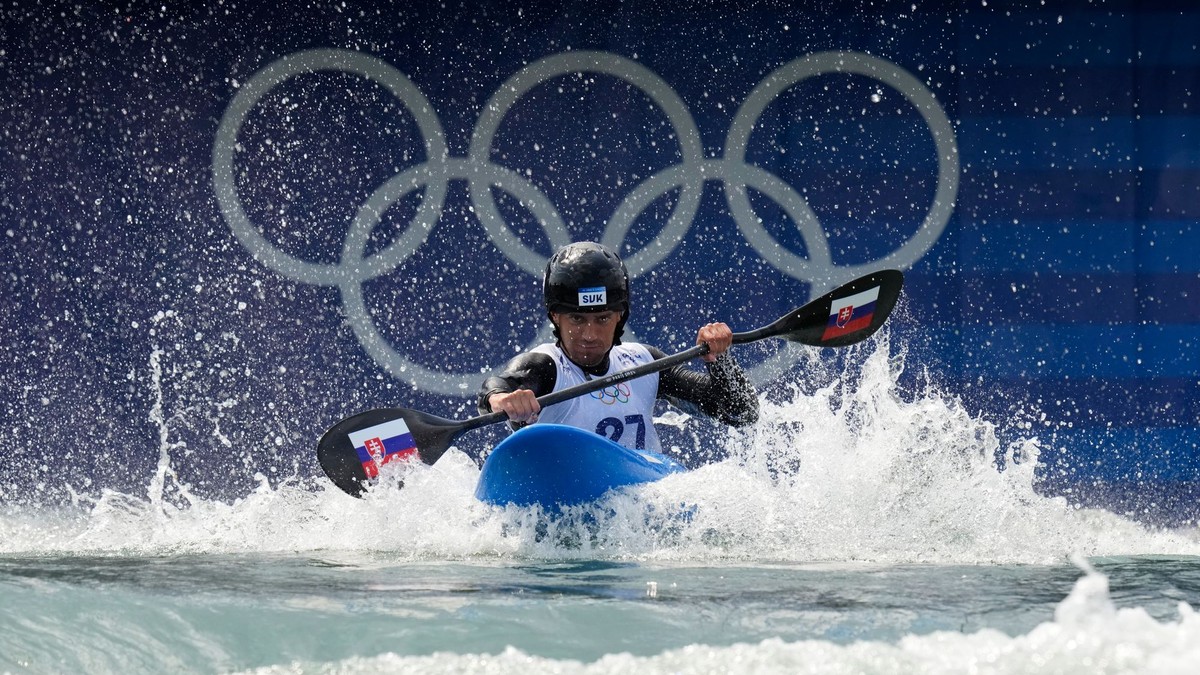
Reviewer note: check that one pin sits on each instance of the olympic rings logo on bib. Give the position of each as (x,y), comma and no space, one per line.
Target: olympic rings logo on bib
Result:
(481,174)
(618,393)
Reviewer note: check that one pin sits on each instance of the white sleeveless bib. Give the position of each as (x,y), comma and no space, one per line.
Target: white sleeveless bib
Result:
(622,412)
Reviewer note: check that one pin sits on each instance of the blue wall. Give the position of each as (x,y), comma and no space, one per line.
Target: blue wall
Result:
(251,222)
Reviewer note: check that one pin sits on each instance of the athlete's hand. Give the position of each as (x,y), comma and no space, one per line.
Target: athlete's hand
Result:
(520,405)
(719,339)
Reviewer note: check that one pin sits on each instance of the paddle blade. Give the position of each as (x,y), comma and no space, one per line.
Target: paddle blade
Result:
(848,314)
(353,450)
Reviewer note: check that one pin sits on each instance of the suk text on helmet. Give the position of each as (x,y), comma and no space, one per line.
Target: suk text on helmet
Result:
(587,277)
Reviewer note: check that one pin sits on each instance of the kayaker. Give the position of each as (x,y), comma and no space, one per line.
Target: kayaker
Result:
(586,289)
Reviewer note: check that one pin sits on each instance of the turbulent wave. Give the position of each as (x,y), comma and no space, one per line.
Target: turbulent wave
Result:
(851,467)
(852,470)
(1087,635)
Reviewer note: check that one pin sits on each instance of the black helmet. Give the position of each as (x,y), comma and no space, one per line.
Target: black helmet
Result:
(587,277)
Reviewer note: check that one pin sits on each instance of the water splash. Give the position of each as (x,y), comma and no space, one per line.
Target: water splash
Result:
(852,470)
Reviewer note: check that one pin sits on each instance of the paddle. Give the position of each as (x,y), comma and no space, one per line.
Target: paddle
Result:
(846,315)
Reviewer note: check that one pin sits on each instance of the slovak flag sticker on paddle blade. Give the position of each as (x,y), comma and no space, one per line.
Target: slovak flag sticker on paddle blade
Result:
(383,443)
(851,313)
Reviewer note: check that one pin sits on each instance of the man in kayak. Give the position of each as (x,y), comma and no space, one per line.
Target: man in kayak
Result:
(586,290)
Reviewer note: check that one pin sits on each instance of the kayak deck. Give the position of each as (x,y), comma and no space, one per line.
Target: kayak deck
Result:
(558,465)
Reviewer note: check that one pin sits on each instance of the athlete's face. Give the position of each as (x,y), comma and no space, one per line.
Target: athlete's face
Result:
(587,337)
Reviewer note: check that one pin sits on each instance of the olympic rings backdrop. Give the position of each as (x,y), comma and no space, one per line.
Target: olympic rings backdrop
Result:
(226,229)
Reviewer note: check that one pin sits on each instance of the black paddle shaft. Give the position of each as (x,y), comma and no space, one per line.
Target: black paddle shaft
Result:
(433,435)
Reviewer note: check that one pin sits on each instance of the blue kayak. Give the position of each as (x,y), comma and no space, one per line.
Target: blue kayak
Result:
(556,465)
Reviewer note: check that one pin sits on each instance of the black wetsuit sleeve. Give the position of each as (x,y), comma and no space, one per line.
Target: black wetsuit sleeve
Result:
(723,392)
(532,370)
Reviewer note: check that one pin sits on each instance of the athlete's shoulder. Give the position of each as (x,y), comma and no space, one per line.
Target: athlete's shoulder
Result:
(553,353)
(631,354)
(655,352)
(650,351)
(546,348)
(532,360)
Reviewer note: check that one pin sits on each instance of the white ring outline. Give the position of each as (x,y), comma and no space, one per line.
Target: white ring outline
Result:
(752,108)
(690,174)
(649,83)
(225,186)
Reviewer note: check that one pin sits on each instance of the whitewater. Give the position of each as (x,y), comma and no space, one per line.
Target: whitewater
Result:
(861,526)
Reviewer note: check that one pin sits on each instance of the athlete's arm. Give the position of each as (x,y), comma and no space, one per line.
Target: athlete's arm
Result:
(516,388)
(723,392)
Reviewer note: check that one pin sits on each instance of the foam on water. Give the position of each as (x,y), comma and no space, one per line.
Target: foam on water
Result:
(848,471)
(851,471)
(1088,635)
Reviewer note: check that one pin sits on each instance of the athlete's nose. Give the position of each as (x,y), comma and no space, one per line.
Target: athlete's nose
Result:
(591,332)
